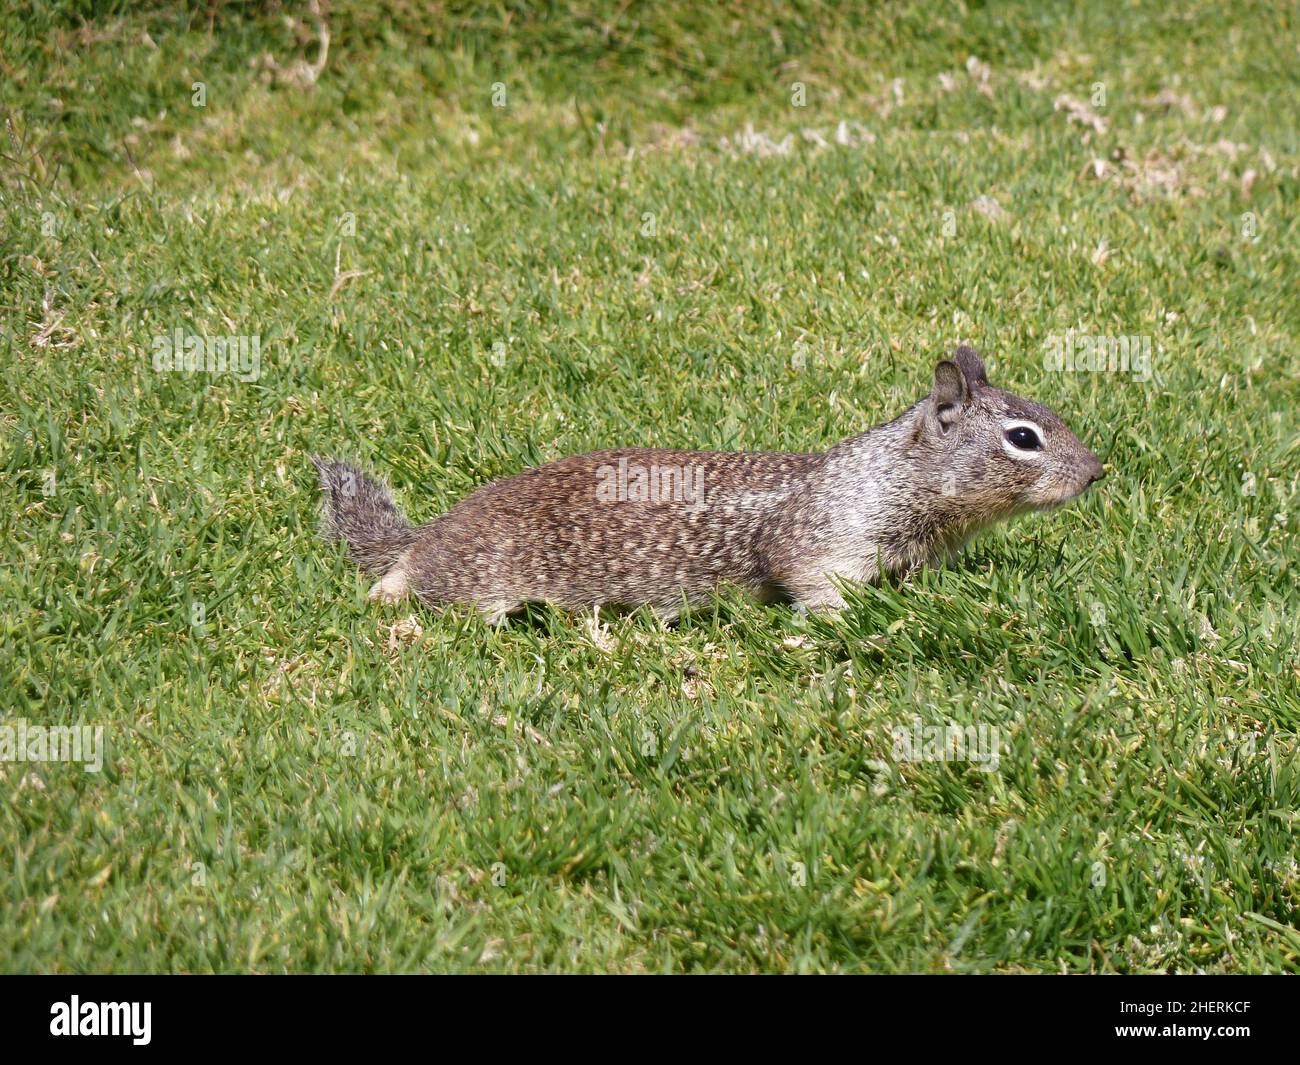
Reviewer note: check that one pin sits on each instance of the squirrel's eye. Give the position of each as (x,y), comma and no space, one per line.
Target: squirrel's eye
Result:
(1023,438)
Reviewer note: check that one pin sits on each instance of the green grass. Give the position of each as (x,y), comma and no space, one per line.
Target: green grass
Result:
(308,781)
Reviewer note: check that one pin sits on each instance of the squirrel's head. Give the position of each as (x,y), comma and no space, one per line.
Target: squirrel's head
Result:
(998,453)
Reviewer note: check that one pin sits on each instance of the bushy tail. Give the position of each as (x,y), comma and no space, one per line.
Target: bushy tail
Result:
(359,510)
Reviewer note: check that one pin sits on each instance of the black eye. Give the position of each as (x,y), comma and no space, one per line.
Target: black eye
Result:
(1023,438)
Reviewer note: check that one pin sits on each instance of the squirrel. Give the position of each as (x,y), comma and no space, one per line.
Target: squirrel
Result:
(665,528)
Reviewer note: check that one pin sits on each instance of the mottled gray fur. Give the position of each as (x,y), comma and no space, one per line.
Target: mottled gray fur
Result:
(780,525)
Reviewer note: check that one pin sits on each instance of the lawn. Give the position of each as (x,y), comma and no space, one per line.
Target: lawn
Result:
(467,241)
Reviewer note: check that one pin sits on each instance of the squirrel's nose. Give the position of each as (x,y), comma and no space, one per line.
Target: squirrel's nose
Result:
(1097,472)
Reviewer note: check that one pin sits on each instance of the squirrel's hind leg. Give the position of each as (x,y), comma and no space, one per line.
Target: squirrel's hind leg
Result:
(392,587)
(666,616)
(495,612)
(816,594)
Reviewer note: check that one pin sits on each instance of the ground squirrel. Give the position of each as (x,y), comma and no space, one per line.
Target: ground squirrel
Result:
(664,528)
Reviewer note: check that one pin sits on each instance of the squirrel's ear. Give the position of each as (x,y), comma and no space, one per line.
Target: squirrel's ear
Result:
(971,366)
(950,395)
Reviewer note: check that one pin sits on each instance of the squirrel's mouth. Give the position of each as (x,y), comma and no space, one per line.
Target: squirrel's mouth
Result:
(1058,495)
(1065,494)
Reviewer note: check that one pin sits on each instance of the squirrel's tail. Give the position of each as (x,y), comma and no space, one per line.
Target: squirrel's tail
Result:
(359,510)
